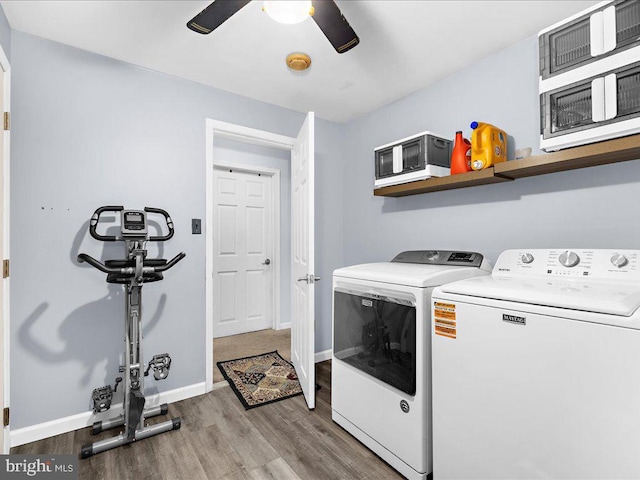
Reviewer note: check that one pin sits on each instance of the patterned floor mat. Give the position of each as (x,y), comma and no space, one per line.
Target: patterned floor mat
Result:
(261,379)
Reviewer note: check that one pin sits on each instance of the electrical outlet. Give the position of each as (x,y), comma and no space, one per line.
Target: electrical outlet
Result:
(196,226)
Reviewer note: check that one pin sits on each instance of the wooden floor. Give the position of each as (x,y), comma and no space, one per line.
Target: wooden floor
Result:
(221,440)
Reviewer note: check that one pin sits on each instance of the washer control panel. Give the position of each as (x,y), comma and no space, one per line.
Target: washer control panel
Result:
(573,263)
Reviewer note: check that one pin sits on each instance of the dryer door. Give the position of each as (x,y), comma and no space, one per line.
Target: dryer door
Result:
(375,332)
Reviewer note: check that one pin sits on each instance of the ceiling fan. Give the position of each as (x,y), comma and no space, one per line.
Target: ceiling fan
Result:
(325,13)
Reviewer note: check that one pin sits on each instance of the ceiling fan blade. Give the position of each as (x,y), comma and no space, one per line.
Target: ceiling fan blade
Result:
(215,15)
(334,26)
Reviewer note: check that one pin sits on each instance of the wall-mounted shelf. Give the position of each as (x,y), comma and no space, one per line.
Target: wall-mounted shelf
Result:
(436,184)
(601,153)
(610,151)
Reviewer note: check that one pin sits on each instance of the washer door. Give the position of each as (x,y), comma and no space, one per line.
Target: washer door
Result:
(376,333)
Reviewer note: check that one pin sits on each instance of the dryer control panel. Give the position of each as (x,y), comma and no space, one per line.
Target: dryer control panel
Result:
(440,257)
(570,263)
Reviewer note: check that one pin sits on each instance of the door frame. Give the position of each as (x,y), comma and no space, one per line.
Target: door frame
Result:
(6,95)
(274,226)
(229,131)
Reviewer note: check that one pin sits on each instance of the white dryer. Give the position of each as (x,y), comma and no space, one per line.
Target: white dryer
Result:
(381,362)
(536,368)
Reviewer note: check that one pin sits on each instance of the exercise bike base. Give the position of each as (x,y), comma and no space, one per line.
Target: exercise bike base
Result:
(99,427)
(119,440)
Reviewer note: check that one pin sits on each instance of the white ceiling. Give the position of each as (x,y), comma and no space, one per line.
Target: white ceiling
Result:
(404,45)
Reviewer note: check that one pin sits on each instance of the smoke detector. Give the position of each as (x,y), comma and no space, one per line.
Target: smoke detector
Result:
(298,61)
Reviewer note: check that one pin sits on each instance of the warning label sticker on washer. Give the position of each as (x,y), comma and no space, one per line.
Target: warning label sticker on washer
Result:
(444,319)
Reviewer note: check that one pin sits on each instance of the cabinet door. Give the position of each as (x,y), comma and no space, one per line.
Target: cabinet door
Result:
(567,109)
(565,47)
(600,33)
(582,105)
(628,92)
(413,155)
(627,23)
(384,163)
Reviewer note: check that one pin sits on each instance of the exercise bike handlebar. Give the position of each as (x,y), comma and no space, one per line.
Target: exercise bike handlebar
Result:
(95,218)
(170,263)
(167,218)
(94,222)
(83,257)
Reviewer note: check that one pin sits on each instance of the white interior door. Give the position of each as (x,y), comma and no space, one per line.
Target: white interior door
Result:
(303,272)
(243,246)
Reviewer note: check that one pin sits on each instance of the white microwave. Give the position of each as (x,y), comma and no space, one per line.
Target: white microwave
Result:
(590,76)
(417,157)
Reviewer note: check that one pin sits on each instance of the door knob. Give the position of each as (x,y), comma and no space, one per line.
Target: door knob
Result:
(267,262)
(309,279)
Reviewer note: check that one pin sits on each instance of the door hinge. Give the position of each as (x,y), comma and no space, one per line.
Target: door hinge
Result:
(5,417)
(5,268)
(7,120)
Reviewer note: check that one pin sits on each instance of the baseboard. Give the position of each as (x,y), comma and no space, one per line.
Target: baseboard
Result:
(85,419)
(322,356)
(284,325)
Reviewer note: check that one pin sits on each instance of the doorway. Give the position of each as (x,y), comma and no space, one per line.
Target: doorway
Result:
(301,151)
(241,168)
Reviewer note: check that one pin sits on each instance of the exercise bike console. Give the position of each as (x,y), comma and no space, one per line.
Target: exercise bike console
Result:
(132,272)
(134,222)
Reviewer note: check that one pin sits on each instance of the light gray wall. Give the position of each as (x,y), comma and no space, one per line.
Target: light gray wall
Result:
(329,205)
(5,34)
(90,131)
(594,207)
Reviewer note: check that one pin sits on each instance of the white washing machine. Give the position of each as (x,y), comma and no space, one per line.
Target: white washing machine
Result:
(381,362)
(536,368)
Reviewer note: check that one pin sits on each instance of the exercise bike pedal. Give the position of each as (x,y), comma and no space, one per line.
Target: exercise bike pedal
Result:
(161,364)
(102,398)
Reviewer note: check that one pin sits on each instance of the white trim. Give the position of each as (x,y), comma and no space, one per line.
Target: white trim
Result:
(208,279)
(85,419)
(322,356)
(283,325)
(274,173)
(6,96)
(247,168)
(249,135)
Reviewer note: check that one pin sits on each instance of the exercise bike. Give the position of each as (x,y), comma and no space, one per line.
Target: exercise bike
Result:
(132,272)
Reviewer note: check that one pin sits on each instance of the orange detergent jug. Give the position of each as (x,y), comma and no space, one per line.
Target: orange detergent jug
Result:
(461,155)
(488,145)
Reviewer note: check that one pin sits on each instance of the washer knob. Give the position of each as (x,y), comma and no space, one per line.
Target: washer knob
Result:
(569,259)
(619,260)
(527,258)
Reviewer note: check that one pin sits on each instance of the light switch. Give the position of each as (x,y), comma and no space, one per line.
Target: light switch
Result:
(196,226)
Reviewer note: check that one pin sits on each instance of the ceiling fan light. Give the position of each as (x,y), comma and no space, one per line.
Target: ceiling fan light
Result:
(288,11)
